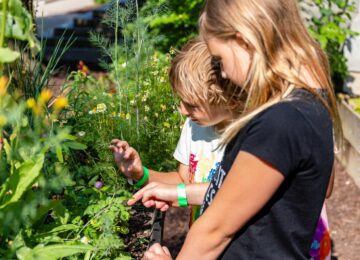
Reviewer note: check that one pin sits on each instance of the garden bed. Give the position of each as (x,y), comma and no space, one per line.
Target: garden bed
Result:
(145,228)
(349,157)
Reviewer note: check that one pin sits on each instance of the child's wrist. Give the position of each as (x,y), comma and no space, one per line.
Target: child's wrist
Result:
(143,179)
(138,175)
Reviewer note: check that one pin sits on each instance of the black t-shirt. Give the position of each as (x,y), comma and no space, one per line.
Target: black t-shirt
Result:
(295,136)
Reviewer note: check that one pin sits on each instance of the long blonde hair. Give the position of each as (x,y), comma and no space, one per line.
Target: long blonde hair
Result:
(281,47)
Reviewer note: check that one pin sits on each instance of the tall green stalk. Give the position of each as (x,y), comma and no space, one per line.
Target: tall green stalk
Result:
(115,61)
(3,29)
(137,71)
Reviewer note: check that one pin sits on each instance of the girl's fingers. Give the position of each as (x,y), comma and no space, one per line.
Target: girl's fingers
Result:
(140,193)
(149,203)
(165,208)
(149,256)
(156,248)
(166,250)
(159,204)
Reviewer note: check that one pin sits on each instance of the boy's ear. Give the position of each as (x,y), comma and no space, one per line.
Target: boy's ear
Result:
(240,40)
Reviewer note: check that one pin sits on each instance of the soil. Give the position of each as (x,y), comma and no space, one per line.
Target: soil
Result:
(140,223)
(343,208)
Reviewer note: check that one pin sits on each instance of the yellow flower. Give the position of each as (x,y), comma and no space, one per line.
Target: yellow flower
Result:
(163,107)
(127,116)
(122,115)
(172,51)
(60,103)
(3,85)
(3,120)
(166,124)
(37,110)
(45,96)
(31,103)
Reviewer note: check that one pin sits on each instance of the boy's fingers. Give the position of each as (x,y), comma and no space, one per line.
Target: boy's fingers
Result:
(129,153)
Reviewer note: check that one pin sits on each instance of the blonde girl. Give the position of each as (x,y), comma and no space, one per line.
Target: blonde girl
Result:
(265,200)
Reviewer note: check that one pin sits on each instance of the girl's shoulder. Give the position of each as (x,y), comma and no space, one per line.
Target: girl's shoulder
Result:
(299,109)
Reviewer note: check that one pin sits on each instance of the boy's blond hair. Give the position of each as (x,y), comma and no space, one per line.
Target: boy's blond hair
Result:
(195,78)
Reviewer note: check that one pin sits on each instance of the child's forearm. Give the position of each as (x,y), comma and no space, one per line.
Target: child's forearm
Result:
(181,176)
(165,177)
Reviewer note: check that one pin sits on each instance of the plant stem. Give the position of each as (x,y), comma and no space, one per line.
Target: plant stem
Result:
(116,61)
(137,70)
(3,29)
(3,22)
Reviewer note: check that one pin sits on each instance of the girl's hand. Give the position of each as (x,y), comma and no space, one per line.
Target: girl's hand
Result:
(156,251)
(127,159)
(158,195)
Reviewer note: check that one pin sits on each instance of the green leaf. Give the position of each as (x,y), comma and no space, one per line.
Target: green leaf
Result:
(51,252)
(7,55)
(22,179)
(59,154)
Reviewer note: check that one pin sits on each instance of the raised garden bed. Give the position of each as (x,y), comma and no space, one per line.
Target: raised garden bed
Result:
(349,157)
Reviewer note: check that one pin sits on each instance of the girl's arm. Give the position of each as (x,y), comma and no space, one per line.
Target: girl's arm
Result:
(162,195)
(250,183)
(331,183)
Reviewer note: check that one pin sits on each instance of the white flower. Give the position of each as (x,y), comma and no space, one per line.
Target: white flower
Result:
(81,133)
(146,119)
(91,112)
(147,108)
(123,65)
(100,108)
(144,98)
(85,240)
(132,102)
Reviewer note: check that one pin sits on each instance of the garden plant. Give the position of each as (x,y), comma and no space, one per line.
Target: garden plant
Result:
(57,175)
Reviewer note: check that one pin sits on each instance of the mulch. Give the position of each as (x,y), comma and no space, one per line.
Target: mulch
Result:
(343,208)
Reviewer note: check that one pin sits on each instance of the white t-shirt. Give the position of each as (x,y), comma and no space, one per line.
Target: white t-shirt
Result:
(198,148)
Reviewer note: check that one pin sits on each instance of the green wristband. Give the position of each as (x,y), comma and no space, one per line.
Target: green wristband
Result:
(181,191)
(143,179)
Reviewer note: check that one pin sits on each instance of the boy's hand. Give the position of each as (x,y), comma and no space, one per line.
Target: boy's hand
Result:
(158,195)
(127,159)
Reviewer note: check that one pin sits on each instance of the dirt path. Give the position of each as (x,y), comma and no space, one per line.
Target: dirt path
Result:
(343,209)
